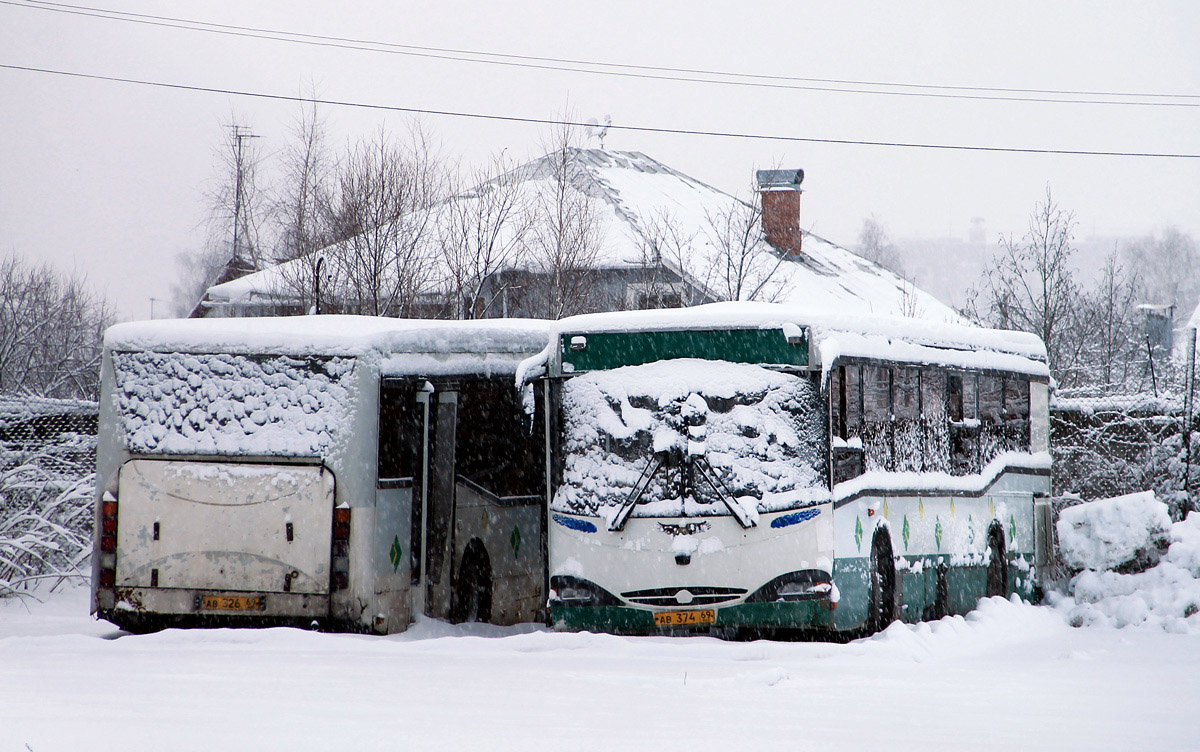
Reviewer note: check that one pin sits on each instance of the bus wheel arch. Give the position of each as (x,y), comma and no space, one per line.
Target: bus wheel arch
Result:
(473,585)
(996,582)
(882,581)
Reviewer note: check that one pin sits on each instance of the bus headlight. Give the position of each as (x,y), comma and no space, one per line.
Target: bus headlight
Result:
(803,585)
(576,591)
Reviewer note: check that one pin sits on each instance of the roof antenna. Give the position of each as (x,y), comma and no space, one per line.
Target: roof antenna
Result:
(598,130)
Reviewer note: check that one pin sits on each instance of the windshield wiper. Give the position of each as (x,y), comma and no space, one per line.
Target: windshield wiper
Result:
(689,466)
(617,521)
(706,471)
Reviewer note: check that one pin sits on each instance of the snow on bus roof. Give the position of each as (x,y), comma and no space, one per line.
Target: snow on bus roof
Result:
(824,324)
(330,335)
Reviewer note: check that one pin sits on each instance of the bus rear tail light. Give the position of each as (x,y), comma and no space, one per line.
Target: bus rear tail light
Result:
(340,561)
(108,541)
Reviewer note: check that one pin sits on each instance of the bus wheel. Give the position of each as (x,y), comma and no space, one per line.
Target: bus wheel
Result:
(881,609)
(997,566)
(473,593)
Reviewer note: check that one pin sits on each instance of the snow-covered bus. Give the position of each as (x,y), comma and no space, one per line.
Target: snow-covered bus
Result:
(749,467)
(350,471)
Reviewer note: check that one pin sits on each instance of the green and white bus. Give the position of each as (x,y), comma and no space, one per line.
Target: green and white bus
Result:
(752,468)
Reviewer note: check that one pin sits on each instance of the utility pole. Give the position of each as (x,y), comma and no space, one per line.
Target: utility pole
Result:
(240,135)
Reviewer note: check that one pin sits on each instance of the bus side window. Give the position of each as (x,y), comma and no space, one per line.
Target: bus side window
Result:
(961,394)
(954,396)
(491,439)
(991,417)
(398,433)
(854,400)
(877,418)
(935,404)
(837,402)
(846,408)
(1016,414)
(970,403)
(906,411)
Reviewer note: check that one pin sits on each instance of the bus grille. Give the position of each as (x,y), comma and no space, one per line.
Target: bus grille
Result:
(701,596)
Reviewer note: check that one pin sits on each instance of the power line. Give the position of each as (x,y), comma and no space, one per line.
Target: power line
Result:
(658,73)
(553,121)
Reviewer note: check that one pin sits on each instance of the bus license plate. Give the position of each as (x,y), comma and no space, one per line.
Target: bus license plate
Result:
(685,618)
(232,603)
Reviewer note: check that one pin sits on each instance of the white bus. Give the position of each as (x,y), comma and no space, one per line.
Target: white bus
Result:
(294,471)
(750,467)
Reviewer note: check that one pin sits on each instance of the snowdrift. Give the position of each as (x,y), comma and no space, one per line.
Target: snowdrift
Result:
(1137,568)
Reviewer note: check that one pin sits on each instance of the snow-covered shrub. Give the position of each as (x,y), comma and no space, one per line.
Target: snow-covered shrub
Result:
(1127,531)
(1166,596)
(45,510)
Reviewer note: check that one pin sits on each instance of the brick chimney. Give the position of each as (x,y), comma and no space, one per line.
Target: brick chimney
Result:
(780,194)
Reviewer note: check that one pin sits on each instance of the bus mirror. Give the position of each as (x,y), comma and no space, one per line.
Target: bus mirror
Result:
(793,334)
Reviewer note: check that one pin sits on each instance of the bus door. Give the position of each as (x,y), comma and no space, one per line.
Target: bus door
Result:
(438,518)
(415,493)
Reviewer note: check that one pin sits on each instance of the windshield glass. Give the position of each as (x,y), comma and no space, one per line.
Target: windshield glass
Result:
(690,437)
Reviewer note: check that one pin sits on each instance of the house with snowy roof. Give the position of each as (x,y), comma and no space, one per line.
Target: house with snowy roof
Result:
(651,236)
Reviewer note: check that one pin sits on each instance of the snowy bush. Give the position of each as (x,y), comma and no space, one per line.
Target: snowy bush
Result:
(47,476)
(1110,533)
(45,511)
(1166,596)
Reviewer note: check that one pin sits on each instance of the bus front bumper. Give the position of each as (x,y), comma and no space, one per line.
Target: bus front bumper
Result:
(814,614)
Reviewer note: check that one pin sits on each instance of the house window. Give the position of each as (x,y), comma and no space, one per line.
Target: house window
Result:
(644,296)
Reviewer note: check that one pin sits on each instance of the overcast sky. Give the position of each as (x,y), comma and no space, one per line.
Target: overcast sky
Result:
(109,178)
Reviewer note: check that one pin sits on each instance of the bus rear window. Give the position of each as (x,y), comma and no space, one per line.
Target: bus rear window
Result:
(222,404)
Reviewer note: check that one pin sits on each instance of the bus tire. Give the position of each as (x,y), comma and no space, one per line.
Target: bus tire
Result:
(997,565)
(473,590)
(881,605)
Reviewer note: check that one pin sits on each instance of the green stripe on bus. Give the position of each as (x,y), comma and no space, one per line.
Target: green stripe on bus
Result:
(605,350)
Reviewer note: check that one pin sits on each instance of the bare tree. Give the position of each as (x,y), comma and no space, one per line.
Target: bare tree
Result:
(382,260)
(1030,286)
(739,263)
(667,264)
(481,232)
(566,236)
(1110,326)
(306,169)
(876,246)
(51,332)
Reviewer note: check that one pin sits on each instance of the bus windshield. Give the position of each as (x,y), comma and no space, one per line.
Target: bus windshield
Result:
(690,437)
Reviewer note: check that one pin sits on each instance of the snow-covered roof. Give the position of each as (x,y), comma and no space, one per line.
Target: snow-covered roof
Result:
(835,335)
(330,335)
(631,192)
(824,323)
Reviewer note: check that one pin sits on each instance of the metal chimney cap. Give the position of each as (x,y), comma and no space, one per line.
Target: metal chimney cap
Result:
(779,178)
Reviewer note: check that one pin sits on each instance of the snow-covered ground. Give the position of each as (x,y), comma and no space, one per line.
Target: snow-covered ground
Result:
(1009,677)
